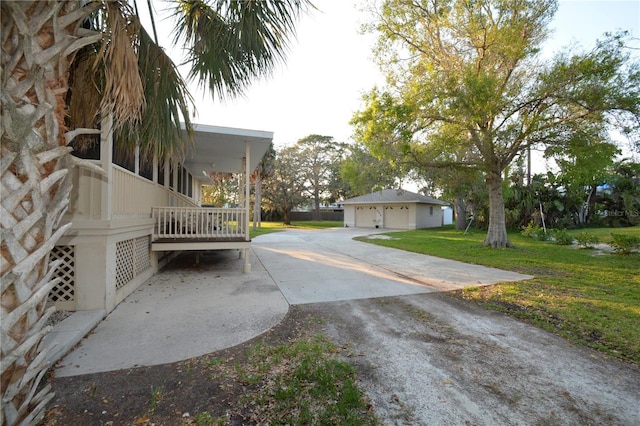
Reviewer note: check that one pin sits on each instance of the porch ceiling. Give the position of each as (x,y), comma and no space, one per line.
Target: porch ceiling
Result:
(221,149)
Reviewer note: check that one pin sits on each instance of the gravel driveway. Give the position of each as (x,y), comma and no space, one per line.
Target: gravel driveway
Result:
(431,359)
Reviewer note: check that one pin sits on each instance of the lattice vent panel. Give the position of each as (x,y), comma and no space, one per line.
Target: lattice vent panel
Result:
(132,258)
(64,291)
(143,254)
(124,262)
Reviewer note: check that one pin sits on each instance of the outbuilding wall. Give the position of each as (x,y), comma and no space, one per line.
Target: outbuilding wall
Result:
(393,216)
(428,216)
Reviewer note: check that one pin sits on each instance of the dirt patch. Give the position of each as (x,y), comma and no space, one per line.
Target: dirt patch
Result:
(168,394)
(56,317)
(421,359)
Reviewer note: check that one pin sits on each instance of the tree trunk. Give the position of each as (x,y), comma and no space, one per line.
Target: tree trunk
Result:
(286,216)
(316,209)
(460,210)
(590,201)
(497,233)
(38,43)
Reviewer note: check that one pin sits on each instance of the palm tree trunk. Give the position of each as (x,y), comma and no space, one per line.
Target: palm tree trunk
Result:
(38,43)
(497,233)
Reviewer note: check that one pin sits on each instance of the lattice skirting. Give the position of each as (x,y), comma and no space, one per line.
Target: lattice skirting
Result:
(132,258)
(65,290)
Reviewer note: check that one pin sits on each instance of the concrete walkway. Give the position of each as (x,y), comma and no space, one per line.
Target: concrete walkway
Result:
(190,310)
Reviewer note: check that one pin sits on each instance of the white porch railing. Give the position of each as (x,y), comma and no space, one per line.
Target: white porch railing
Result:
(198,223)
(133,195)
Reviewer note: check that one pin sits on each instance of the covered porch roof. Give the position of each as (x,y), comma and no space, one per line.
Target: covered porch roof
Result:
(222,149)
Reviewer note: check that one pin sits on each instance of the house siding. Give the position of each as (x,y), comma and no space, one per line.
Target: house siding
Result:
(107,254)
(393,216)
(429,216)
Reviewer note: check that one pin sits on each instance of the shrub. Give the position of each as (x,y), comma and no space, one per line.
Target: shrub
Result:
(529,230)
(562,237)
(587,240)
(624,244)
(535,231)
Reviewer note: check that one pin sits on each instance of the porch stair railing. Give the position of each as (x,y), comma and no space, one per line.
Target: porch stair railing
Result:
(199,223)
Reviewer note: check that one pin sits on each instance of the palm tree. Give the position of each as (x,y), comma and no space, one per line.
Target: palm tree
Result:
(64,65)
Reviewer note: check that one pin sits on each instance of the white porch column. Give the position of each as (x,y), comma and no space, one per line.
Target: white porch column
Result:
(166,171)
(247,203)
(154,177)
(106,159)
(136,166)
(176,169)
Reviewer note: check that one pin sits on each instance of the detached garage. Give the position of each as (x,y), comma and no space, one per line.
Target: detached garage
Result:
(393,209)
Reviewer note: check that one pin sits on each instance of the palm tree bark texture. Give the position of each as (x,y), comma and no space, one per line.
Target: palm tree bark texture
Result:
(39,40)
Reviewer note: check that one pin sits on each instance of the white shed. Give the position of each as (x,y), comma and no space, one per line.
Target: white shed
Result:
(393,209)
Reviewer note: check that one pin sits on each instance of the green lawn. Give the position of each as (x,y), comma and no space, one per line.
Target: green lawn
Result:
(604,234)
(587,296)
(268,227)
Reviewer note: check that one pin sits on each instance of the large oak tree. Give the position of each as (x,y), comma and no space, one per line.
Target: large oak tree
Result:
(284,188)
(469,89)
(319,156)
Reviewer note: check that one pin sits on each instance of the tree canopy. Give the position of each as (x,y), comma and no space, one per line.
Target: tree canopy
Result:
(364,172)
(468,89)
(284,188)
(318,156)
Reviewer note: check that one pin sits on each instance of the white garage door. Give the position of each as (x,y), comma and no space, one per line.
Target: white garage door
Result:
(365,216)
(396,217)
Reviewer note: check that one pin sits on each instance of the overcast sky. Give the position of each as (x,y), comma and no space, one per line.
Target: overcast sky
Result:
(329,67)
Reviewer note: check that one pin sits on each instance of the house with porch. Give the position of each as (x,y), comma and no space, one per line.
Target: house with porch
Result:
(131,217)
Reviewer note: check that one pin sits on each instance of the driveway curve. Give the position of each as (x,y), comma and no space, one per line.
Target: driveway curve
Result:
(311,266)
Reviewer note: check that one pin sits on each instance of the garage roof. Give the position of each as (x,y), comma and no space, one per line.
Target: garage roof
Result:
(389,196)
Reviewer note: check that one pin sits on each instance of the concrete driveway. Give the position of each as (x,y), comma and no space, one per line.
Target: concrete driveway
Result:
(187,311)
(422,356)
(311,266)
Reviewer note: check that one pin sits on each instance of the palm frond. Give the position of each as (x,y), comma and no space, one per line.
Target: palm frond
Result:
(123,92)
(168,101)
(232,42)
(84,97)
(104,80)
